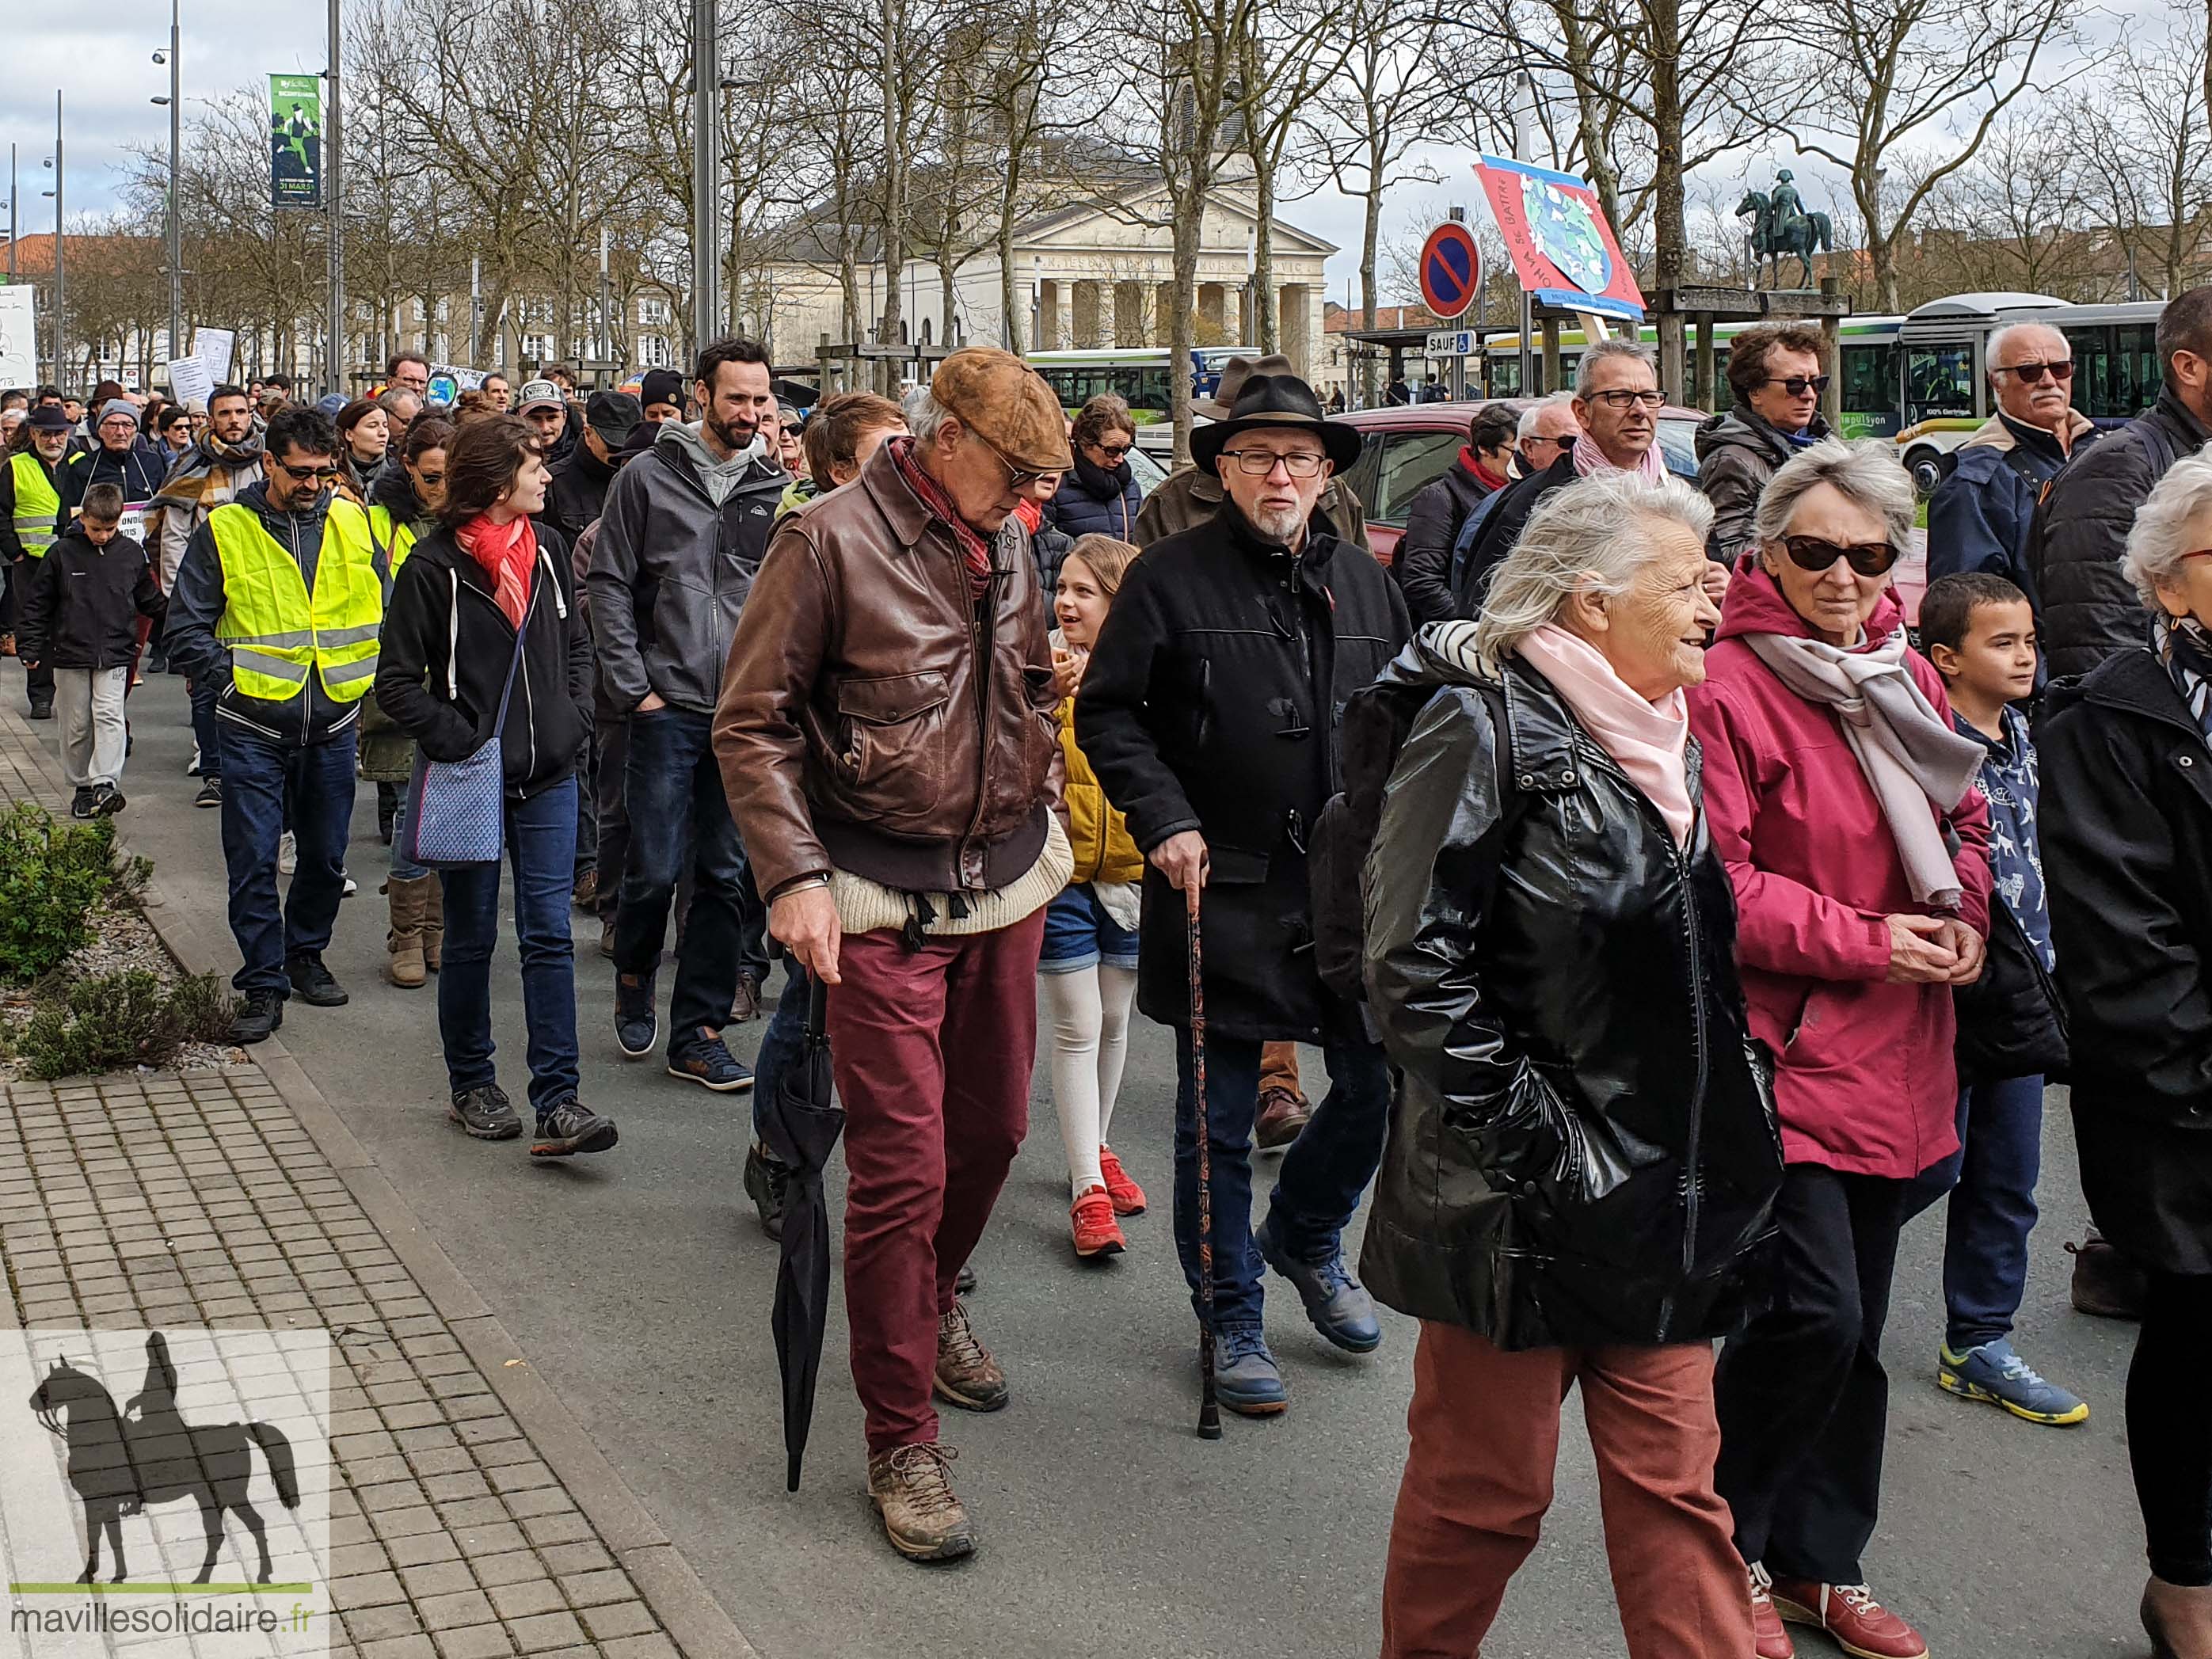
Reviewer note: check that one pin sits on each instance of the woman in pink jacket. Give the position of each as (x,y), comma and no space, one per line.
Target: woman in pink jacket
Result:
(1846,809)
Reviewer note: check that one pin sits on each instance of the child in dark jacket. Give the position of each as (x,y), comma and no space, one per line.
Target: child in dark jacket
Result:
(81,613)
(1979,631)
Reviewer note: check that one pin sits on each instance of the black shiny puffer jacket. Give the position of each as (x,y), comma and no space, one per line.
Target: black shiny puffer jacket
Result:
(1583,1149)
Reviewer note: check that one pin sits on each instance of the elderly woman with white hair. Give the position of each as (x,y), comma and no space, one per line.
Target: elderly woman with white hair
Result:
(2127,817)
(1844,806)
(1581,1155)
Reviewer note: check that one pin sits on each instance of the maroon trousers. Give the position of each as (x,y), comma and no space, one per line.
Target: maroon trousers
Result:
(931,1050)
(1486,1434)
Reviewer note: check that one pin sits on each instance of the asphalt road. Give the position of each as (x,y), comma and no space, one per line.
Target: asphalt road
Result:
(639,1283)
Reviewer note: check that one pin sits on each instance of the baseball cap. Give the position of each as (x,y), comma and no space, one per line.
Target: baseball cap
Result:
(541,394)
(613,415)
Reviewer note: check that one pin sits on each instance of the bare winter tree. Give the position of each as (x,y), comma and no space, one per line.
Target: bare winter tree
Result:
(2149,152)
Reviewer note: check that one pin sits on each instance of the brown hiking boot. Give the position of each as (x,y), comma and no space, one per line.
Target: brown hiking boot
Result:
(912,1490)
(1283,1112)
(2105,1283)
(967,1375)
(409,901)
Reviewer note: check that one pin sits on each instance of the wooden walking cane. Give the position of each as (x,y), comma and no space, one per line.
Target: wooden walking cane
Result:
(1209,1404)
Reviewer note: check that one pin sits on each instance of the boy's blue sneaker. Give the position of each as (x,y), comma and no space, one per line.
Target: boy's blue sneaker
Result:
(1995,1373)
(1245,1377)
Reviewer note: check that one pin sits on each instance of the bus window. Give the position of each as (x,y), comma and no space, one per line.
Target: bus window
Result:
(2115,370)
(1505,374)
(1939,383)
(1869,390)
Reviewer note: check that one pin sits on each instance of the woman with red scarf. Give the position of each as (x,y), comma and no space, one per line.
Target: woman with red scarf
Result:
(483,617)
(1433,523)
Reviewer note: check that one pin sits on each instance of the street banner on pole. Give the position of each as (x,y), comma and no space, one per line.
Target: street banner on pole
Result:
(295,141)
(212,346)
(1556,233)
(19,337)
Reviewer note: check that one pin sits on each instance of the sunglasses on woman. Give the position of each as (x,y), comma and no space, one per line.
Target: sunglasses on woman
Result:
(1818,553)
(1798,385)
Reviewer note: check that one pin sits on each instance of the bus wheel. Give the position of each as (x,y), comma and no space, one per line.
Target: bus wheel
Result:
(1926,466)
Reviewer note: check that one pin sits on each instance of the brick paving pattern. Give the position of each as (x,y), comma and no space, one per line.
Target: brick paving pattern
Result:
(200,1200)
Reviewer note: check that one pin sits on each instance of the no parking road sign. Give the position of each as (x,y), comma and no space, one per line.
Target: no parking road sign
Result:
(1451,270)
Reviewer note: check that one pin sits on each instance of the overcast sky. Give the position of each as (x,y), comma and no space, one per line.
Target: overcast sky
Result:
(101,56)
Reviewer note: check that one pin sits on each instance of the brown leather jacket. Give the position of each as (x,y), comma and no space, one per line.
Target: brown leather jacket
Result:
(875,717)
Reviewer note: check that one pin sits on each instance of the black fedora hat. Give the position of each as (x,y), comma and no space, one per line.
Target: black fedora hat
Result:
(1276,400)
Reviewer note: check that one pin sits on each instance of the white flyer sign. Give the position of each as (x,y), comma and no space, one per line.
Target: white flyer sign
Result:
(212,346)
(19,339)
(192,381)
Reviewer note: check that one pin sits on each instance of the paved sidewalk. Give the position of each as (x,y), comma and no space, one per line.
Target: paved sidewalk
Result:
(472,1518)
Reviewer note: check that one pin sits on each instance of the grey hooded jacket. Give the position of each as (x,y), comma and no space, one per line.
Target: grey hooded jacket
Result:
(680,540)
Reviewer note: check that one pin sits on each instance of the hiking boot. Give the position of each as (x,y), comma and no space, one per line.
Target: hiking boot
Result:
(585,892)
(746,1006)
(485,1112)
(967,1375)
(1339,1309)
(210,793)
(106,800)
(1993,1372)
(42,710)
(637,1028)
(766,1179)
(1283,1112)
(571,1127)
(262,1013)
(312,983)
(2105,1283)
(2177,1618)
(911,1488)
(1769,1637)
(80,802)
(963,1282)
(1246,1379)
(1857,1623)
(704,1061)
(1128,1197)
(1091,1219)
(407,901)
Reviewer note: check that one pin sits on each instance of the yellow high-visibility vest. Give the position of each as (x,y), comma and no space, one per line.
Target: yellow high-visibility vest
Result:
(38,504)
(397,541)
(276,630)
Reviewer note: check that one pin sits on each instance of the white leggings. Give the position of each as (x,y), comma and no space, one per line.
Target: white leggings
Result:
(1089,1043)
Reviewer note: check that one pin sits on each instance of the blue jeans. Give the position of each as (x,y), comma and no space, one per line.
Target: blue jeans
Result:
(541,847)
(1992,1180)
(402,867)
(673,790)
(260,779)
(205,687)
(781,1042)
(1324,1171)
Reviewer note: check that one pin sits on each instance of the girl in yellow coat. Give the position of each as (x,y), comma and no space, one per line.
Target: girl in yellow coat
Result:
(1089,963)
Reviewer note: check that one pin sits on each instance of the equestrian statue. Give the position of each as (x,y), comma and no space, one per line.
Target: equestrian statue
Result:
(1781,225)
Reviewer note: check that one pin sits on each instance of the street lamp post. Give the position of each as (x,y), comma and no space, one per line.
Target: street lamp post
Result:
(175,101)
(606,320)
(333,147)
(706,174)
(61,293)
(13,193)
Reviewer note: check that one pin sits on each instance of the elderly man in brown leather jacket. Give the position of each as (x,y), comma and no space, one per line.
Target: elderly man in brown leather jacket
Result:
(886,740)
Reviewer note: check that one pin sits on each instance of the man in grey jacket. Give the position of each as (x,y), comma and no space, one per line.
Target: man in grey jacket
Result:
(680,539)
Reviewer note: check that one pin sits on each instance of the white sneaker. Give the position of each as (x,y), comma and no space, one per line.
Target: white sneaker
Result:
(288,853)
(193,766)
(351,886)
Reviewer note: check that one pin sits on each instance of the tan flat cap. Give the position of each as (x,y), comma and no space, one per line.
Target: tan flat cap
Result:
(1006,404)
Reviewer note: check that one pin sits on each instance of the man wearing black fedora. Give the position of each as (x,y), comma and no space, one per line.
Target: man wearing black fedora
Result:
(1209,712)
(1191,497)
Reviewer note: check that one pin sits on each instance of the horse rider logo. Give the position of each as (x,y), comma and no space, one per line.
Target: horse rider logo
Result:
(121,1462)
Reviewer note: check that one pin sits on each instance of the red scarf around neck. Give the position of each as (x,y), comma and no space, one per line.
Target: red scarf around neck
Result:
(1490,481)
(507,553)
(974,551)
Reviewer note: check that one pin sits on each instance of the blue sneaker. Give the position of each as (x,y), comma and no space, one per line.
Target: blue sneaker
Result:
(706,1062)
(636,1026)
(1245,1378)
(1339,1309)
(1995,1373)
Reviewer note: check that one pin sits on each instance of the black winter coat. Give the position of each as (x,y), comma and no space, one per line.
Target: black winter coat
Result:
(1422,566)
(2088,611)
(81,603)
(1212,703)
(1503,529)
(578,491)
(1092,501)
(2126,812)
(2011,1023)
(549,714)
(1582,1147)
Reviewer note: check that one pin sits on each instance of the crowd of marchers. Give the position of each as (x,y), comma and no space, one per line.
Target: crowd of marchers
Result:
(1671,918)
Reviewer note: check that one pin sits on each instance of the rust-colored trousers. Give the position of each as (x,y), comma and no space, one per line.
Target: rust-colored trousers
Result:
(1486,1435)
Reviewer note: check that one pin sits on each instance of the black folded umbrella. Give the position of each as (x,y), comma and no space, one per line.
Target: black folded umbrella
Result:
(800,1124)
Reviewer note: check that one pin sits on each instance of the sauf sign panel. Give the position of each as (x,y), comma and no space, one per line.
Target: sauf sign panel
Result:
(1556,233)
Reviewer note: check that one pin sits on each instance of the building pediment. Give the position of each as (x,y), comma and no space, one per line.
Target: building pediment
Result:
(1139,218)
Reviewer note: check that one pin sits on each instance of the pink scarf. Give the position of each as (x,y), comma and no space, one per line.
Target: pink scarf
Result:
(1589,460)
(1650,740)
(509,553)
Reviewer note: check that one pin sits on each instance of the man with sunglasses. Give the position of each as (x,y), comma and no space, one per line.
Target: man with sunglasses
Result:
(1209,713)
(1775,375)
(2087,610)
(1980,515)
(279,604)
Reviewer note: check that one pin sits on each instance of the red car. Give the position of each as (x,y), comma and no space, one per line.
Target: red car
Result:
(1403,450)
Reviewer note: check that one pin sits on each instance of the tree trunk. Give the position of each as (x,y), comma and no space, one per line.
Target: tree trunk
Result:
(1371,233)
(1263,253)
(1010,310)
(1669,235)
(1181,328)
(895,168)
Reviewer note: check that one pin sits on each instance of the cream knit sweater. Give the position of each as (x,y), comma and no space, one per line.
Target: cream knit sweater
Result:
(867,906)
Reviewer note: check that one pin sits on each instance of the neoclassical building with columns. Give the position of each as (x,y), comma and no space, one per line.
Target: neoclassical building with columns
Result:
(1091,275)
